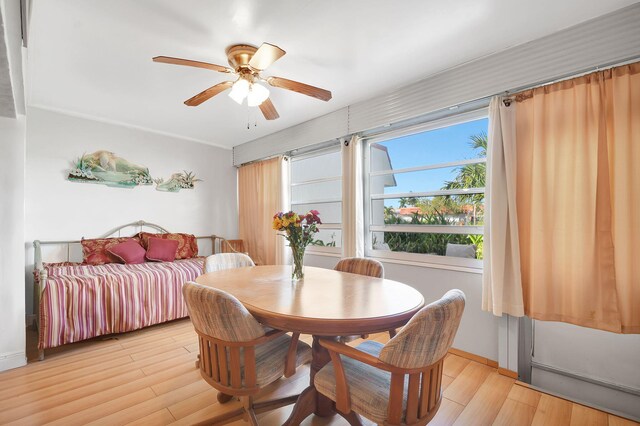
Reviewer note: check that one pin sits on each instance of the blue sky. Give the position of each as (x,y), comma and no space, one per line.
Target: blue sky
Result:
(436,146)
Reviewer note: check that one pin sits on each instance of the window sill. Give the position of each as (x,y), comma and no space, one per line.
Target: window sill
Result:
(471,266)
(323,253)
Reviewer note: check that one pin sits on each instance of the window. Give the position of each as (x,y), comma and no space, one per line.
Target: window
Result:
(425,192)
(316,184)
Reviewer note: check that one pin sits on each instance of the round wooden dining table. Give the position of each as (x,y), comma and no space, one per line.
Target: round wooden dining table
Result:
(325,303)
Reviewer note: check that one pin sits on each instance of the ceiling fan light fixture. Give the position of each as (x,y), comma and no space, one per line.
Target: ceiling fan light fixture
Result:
(247,62)
(257,94)
(239,90)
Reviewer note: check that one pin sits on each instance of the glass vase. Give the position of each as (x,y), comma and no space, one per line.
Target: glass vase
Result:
(297,267)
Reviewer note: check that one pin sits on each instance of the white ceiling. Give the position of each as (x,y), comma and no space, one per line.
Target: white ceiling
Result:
(93,57)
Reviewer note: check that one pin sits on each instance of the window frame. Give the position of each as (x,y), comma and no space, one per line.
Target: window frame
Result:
(331,149)
(420,259)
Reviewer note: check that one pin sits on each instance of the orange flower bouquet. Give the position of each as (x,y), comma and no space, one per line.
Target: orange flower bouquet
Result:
(299,230)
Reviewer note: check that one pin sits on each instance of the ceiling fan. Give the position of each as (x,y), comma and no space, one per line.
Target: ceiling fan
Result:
(247,62)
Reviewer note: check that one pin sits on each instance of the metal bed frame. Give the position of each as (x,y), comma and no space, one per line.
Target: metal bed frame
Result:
(217,243)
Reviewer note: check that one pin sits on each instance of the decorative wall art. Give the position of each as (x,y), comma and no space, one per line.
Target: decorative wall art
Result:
(107,168)
(177,181)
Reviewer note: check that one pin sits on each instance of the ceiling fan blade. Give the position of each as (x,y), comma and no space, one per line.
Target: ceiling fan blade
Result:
(208,94)
(305,89)
(190,63)
(266,55)
(268,110)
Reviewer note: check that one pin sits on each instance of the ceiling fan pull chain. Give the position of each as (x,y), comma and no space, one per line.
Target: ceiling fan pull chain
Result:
(251,112)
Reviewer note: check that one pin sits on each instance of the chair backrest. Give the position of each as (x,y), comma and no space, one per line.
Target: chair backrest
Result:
(220,261)
(218,314)
(361,266)
(427,337)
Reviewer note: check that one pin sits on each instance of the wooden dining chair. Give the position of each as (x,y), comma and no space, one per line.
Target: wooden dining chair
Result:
(220,261)
(370,379)
(361,266)
(238,355)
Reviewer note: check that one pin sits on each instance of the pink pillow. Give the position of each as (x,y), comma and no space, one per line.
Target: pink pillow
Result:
(128,252)
(161,250)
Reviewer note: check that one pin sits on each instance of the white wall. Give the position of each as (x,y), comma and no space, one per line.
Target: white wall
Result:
(57,209)
(478,332)
(12,307)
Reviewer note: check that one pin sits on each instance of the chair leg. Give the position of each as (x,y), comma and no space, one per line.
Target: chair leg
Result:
(247,402)
(392,333)
(251,418)
(198,361)
(223,398)
(273,404)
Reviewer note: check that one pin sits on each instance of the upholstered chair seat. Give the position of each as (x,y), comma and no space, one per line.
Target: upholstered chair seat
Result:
(270,357)
(369,387)
(398,383)
(220,261)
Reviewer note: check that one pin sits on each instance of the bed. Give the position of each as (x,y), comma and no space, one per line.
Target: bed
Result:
(78,301)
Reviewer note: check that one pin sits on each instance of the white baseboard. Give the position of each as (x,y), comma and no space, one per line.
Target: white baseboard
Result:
(12,360)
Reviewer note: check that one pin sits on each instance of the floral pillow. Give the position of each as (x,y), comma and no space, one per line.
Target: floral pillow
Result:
(96,251)
(187,243)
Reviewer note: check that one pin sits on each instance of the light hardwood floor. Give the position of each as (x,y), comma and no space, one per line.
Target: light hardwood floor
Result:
(148,377)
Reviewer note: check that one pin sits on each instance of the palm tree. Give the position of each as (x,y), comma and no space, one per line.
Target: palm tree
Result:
(472,175)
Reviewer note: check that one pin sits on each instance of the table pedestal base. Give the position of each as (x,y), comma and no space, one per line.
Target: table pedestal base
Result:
(306,406)
(310,400)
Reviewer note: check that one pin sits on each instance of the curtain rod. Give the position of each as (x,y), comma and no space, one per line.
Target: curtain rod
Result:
(284,156)
(300,152)
(511,94)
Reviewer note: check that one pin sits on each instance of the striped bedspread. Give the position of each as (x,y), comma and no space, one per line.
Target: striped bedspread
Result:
(84,301)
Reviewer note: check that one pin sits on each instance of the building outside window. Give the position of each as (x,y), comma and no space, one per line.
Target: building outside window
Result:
(425,192)
(316,184)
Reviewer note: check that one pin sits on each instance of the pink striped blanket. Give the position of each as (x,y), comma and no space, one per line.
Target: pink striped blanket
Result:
(84,301)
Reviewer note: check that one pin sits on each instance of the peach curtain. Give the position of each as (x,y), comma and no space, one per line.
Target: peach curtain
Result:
(578,199)
(261,194)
